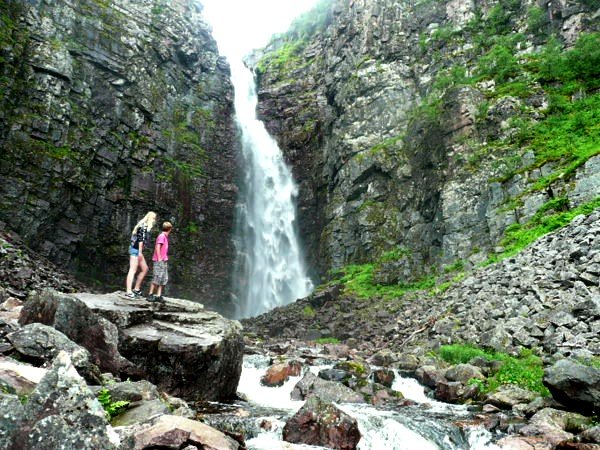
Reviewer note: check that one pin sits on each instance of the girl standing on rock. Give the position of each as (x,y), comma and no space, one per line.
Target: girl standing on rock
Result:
(139,236)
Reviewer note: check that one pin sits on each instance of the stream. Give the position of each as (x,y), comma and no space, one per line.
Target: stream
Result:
(428,425)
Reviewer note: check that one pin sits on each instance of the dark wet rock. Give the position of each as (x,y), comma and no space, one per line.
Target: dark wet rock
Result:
(540,403)
(333,375)
(278,374)
(455,392)
(41,343)
(319,422)
(310,385)
(63,412)
(574,385)
(429,376)
(384,376)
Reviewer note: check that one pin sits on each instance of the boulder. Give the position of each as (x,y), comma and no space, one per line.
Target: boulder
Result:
(429,376)
(278,374)
(10,419)
(310,385)
(320,423)
(180,347)
(384,376)
(463,373)
(555,426)
(63,413)
(19,378)
(41,343)
(455,392)
(574,385)
(509,395)
(173,432)
(72,317)
(591,435)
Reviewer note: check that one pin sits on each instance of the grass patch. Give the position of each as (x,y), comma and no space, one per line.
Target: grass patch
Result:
(358,281)
(550,217)
(327,340)
(525,371)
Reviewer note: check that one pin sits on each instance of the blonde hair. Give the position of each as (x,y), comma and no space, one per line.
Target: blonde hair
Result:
(167,226)
(148,221)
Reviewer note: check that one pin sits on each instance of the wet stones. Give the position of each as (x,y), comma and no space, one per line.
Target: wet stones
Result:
(319,422)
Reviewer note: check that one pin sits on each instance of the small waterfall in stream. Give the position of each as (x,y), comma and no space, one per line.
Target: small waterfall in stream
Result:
(429,425)
(269,270)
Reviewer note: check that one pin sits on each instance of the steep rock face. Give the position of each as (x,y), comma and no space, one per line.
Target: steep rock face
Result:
(381,163)
(110,109)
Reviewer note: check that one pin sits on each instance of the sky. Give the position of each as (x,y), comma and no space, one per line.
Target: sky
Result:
(243,25)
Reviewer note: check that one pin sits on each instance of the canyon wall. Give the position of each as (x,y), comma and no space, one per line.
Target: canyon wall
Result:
(110,109)
(406,126)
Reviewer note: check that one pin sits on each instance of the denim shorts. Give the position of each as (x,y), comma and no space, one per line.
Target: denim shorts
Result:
(134,251)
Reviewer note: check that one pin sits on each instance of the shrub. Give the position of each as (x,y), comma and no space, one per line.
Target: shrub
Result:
(525,371)
(499,63)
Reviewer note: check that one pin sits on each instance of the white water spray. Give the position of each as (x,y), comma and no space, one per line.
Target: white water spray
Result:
(270,268)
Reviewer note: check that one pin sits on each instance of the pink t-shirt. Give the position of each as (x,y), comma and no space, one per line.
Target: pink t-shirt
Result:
(164,248)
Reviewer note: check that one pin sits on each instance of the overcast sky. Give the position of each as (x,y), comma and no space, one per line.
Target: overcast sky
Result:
(242,25)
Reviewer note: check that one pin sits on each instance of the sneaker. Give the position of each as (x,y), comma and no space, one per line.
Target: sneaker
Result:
(159,299)
(130,295)
(151,298)
(137,292)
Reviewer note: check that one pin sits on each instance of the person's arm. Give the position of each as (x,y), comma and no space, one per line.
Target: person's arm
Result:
(157,249)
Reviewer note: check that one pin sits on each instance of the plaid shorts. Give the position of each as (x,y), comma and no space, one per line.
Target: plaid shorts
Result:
(160,273)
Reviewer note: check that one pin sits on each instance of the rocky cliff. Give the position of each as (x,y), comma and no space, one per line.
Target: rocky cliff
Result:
(110,109)
(418,131)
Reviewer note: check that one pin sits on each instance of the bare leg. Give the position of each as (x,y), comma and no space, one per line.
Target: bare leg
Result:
(152,287)
(133,265)
(159,290)
(143,271)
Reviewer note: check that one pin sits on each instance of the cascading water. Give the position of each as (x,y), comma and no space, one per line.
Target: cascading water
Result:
(270,270)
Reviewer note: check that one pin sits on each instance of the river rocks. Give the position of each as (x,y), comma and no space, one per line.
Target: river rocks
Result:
(112,110)
(183,349)
(463,373)
(72,317)
(19,378)
(575,385)
(277,374)
(174,432)
(319,422)
(62,412)
(509,395)
(310,385)
(39,342)
(555,426)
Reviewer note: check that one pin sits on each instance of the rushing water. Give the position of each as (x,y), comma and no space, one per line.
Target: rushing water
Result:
(270,270)
(426,426)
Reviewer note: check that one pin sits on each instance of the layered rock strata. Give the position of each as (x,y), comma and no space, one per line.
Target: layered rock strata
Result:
(110,109)
(381,166)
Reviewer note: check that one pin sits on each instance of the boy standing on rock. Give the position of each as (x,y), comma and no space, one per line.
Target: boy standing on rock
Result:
(160,275)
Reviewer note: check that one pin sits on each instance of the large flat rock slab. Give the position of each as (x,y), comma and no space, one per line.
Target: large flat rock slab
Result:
(184,349)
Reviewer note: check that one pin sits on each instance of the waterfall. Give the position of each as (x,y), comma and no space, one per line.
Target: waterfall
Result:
(269,267)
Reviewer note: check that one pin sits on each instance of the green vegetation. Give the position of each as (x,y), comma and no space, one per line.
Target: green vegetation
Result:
(327,340)
(112,408)
(358,281)
(308,311)
(551,216)
(289,47)
(525,371)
